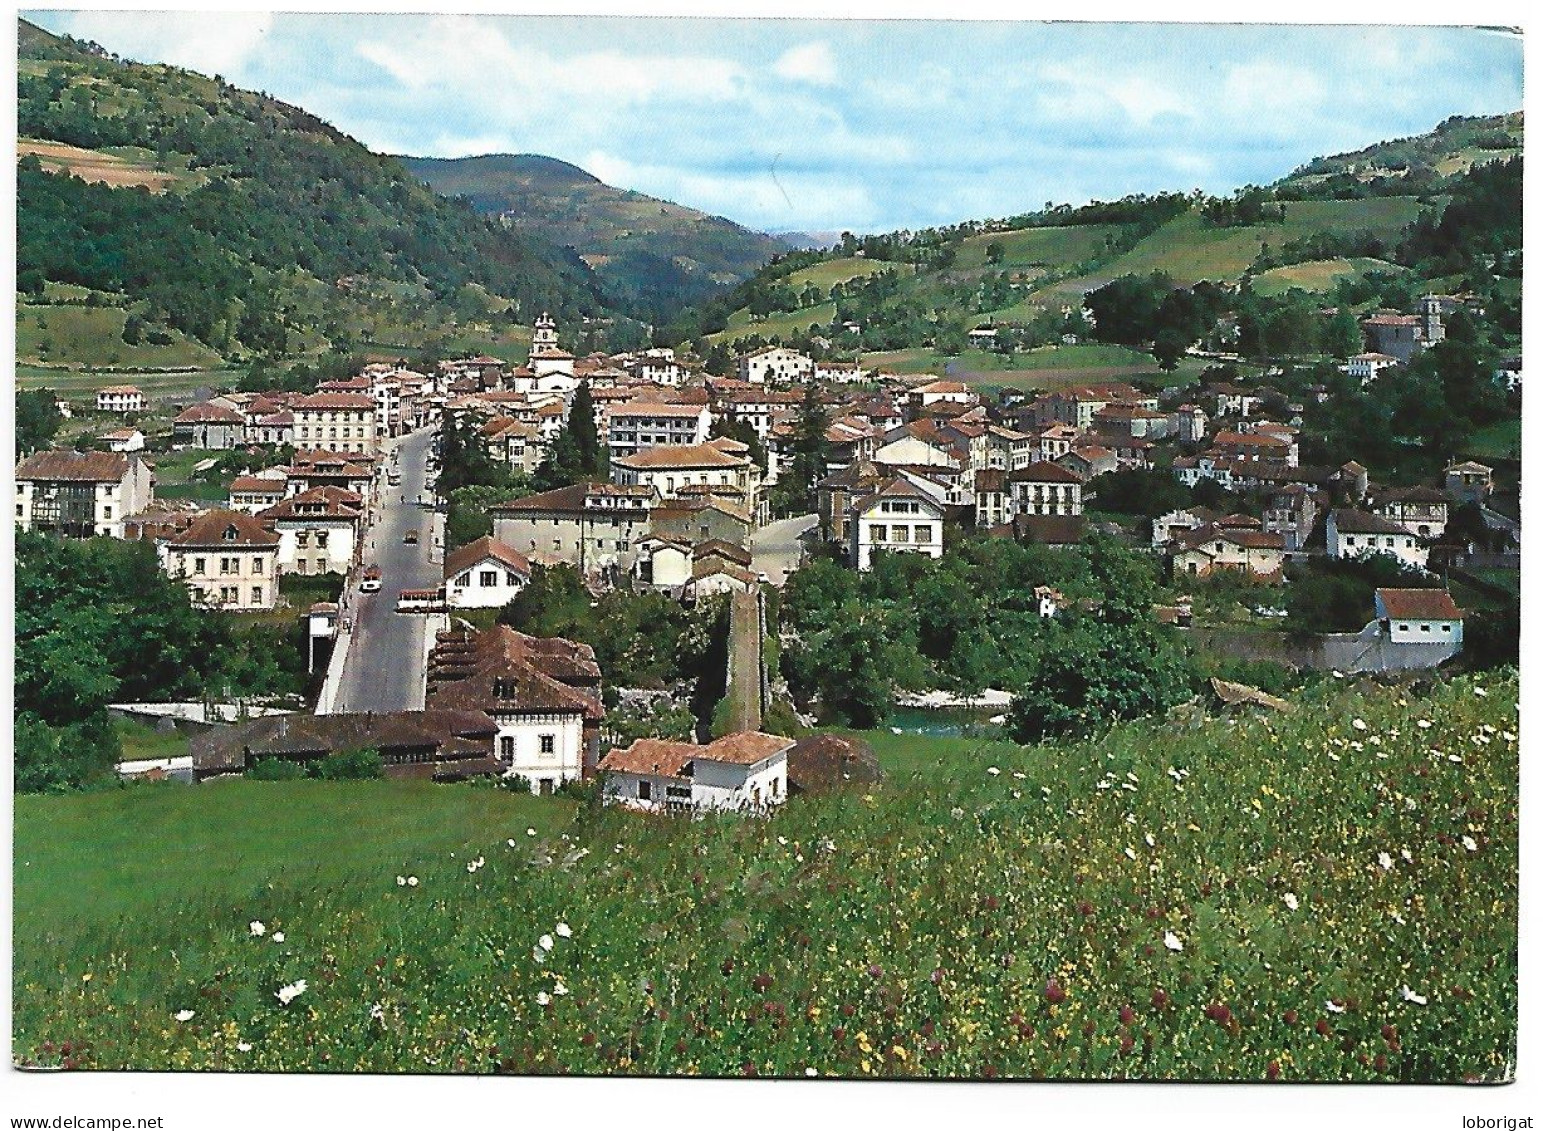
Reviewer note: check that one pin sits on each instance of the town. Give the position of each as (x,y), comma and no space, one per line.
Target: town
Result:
(721,486)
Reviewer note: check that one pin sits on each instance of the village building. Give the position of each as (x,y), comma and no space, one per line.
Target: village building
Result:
(594,527)
(637,425)
(1469,481)
(1291,511)
(1368,367)
(337,422)
(1054,442)
(668,469)
(1055,531)
(318,530)
(1419,510)
(702,518)
(81,494)
(228,559)
(944,390)
(898,517)
(1045,489)
(992,498)
(124,440)
(774,365)
(253,493)
(1207,549)
(1419,616)
(747,771)
(120,398)
(542,693)
(485,574)
(1355,533)
(514,442)
(208,425)
(1189,423)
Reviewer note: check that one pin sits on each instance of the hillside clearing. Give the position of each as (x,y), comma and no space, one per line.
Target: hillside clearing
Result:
(114,169)
(1320,275)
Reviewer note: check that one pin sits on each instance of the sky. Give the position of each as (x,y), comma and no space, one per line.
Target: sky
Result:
(864,125)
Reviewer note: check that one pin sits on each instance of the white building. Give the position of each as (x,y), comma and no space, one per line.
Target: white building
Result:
(318,530)
(747,771)
(485,574)
(592,526)
(336,422)
(670,468)
(1367,367)
(120,398)
(229,560)
(1045,488)
(636,425)
(81,494)
(1354,534)
(208,425)
(898,517)
(1419,616)
(775,364)
(124,440)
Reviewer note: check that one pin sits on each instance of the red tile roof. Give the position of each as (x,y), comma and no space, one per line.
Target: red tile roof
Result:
(1419,604)
(68,466)
(482,549)
(226,529)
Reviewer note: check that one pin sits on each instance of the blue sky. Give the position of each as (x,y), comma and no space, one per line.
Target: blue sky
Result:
(807,124)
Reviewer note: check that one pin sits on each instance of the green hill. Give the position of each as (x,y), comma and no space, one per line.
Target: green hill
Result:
(1412,164)
(1177,900)
(654,257)
(244,225)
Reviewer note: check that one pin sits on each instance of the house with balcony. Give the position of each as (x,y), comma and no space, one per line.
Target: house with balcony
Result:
(82,494)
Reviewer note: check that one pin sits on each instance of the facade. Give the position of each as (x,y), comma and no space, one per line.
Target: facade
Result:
(1419,616)
(252,493)
(208,425)
(1354,534)
(120,398)
(1045,488)
(592,526)
(1470,481)
(637,425)
(485,574)
(1207,549)
(337,422)
(747,772)
(81,494)
(229,560)
(775,364)
(1291,512)
(1367,367)
(318,530)
(1419,510)
(899,518)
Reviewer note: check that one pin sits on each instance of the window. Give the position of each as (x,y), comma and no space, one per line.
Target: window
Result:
(1425,628)
(506,747)
(257,594)
(198,565)
(257,565)
(302,538)
(107,512)
(645,790)
(924,533)
(1446,628)
(512,580)
(880,532)
(321,539)
(900,534)
(487,578)
(548,744)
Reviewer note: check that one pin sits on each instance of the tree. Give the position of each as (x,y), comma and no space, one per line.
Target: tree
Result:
(811,449)
(37,420)
(994,252)
(1089,674)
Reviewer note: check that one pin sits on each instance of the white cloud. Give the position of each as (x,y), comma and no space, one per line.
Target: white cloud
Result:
(209,42)
(810,62)
(1252,88)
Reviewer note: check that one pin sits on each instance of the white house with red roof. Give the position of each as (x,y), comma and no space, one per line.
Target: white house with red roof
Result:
(747,771)
(485,574)
(898,518)
(1419,616)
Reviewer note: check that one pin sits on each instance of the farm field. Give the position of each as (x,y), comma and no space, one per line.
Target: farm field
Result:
(1319,275)
(782,322)
(117,167)
(1038,247)
(1329,893)
(827,274)
(82,335)
(80,385)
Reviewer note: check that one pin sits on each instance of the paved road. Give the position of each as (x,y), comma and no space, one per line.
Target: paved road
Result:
(775,549)
(384,669)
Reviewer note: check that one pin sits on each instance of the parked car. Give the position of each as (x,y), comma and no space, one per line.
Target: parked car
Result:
(371,582)
(411,538)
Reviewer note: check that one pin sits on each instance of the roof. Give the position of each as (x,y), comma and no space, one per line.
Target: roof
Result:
(744,748)
(1419,604)
(651,756)
(1196,538)
(570,498)
(1050,529)
(67,465)
(656,408)
(1045,471)
(1348,521)
(678,455)
(120,389)
(481,550)
(942,387)
(225,529)
(206,413)
(226,749)
(318,502)
(251,483)
(726,550)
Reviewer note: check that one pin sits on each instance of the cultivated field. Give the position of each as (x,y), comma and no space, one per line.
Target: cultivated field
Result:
(93,335)
(1319,275)
(1326,894)
(122,168)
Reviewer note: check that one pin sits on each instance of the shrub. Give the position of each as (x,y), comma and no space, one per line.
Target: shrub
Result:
(275,769)
(350,765)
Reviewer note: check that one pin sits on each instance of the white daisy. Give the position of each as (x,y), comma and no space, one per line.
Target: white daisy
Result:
(184,1015)
(256,928)
(1172,941)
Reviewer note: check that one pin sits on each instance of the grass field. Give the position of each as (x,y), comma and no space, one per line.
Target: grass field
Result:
(828,274)
(80,385)
(94,335)
(1171,901)
(202,853)
(117,167)
(1037,247)
(1501,440)
(781,322)
(1319,275)
(1189,251)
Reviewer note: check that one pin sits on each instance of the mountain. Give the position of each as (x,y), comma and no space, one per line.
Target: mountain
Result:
(1412,164)
(808,241)
(654,257)
(248,226)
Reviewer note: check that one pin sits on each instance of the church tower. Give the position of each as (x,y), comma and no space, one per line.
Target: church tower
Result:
(544,342)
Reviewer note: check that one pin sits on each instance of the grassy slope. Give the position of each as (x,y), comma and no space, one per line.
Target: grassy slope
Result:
(83,334)
(1319,275)
(704,947)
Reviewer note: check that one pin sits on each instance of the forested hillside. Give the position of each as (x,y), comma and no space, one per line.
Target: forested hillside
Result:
(245,223)
(653,256)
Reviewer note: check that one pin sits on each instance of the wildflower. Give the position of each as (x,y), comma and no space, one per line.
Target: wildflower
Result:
(243,1046)
(543,998)
(1054,994)
(86,977)
(993,771)
(471,866)
(1359,724)
(1290,900)
(412,881)
(538,954)
(289,993)
(530,832)
(545,942)
(184,1015)
(1172,941)
(1407,855)
(1333,1007)
(564,931)
(278,936)
(1385,861)
(783,841)
(1151,841)
(560,990)
(1409,995)
(1130,852)
(956,813)
(811,1072)
(1469,844)
(1481,693)
(256,927)
(1423,724)
(511,842)
(1019,774)
(401,881)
